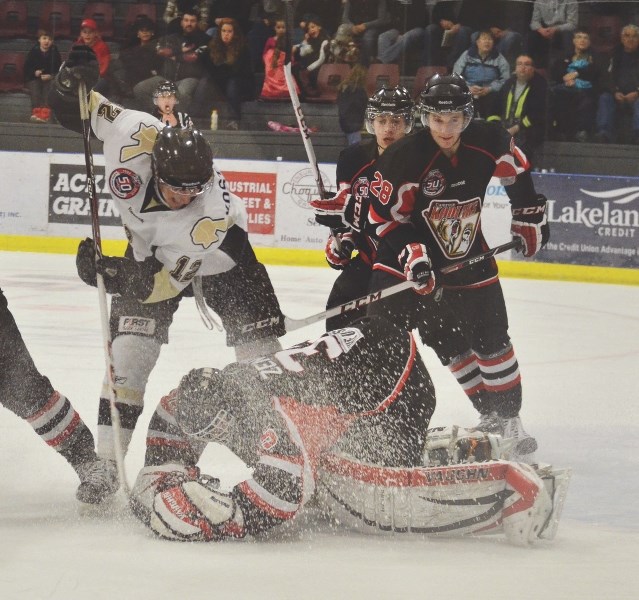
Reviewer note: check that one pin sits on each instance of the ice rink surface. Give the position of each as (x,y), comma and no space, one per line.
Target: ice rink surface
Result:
(578,349)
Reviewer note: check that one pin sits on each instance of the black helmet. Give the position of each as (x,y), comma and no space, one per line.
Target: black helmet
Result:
(183,159)
(445,94)
(394,101)
(166,88)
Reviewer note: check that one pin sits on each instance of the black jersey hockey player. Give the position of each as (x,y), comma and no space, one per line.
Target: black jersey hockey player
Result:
(427,195)
(187,235)
(342,416)
(29,394)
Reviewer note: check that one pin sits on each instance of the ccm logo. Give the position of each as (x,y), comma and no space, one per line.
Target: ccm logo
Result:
(530,210)
(361,302)
(261,324)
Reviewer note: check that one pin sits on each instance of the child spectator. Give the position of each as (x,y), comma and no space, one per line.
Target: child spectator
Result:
(485,71)
(90,36)
(312,54)
(165,99)
(274,56)
(42,63)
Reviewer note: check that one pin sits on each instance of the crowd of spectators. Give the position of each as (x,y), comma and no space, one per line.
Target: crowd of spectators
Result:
(515,55)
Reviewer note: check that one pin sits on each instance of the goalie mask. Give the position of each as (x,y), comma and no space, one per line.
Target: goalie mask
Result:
(395,102)
(182,159)
(207,402)
(446,94)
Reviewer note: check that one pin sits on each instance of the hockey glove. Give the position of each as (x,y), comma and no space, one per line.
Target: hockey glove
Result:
(335,212)
(530,225)
(195,510)
(417,268)
(338,257)
(85,262)
(81,65)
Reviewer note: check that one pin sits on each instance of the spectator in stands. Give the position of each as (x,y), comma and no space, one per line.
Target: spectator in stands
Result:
(90,36)
(621,93)
(140,61)
(175,10)
(240,10)
(265,14)
(366,19)
(485,71)
(274,87)
(42,63)
(329,11)
(576,80)
(553,24)
(229,74)
(491,15)
(351,103)
(407,27)
(522,107)
(310,55)
(182,60)
(446,38)
(165,99)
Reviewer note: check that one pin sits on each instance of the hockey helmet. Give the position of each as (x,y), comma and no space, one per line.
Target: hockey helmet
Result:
(446,94)
(183,160)
(394,101)
(207,403)
(166,88)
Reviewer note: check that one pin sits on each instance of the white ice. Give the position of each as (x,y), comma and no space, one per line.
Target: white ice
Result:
(578,348)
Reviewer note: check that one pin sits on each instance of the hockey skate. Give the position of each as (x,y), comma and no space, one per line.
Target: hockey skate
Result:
(519,446)
(98,481)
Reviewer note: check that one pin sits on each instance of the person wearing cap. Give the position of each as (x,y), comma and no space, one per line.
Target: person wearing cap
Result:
(90,36)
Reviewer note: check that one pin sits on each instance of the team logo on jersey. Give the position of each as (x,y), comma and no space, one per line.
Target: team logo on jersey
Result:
(347,337)
(268,439)
(454,224)
(124,184)
(205,231)
(434,183)
(361,187)
(144,139)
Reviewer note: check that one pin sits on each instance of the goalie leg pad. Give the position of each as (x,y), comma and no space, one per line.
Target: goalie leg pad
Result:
(527,511)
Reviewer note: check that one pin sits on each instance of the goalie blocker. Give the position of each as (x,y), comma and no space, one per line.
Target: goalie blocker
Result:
(345,416)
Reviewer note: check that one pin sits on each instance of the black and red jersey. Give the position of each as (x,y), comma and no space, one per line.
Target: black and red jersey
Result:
(418,194)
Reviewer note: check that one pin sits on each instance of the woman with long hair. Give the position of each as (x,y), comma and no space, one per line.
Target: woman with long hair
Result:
(229,73)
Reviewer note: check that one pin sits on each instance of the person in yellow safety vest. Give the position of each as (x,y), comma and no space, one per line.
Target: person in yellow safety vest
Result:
(522,107)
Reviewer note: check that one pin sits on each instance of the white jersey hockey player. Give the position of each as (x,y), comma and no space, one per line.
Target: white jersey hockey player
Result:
(187,236)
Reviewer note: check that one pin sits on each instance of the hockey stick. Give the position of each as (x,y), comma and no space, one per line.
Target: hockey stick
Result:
(293,324)
(104,311)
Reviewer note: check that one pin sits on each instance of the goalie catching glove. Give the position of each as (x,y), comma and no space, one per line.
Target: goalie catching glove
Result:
(186,506)
(81,65)
(530,226)
(418,268)
(122,276)
(339,255)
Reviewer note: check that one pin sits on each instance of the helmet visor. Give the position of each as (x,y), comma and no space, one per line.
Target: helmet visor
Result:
(187,190)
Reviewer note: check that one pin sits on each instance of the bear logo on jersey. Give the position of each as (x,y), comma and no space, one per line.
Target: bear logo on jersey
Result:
(434,183)
(454,224)
(124,184)
(205,231)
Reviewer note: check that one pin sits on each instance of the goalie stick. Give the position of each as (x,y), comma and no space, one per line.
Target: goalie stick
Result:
(293,324)
(104,311)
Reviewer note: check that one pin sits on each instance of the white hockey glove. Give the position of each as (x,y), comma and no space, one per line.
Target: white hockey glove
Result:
(339,257)
(335,212)
(530,225)
(196,511)
(417,268)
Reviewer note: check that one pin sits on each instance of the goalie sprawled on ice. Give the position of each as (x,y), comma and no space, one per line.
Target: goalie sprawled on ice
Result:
(344,418)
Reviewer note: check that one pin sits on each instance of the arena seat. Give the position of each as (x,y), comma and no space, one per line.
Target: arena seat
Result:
(56,17)
(329,77)
(102,14)
(13,20)
(380,75)
(12,71)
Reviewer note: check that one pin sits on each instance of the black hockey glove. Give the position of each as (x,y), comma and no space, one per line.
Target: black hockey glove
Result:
(85,262)
(530,226)
(418,268)
(81,65)
(339,257)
